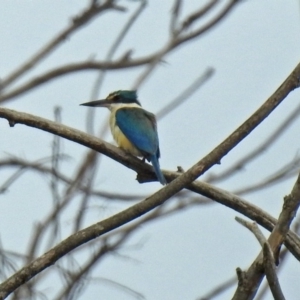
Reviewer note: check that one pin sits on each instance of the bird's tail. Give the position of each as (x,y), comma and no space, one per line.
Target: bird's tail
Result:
(157,170)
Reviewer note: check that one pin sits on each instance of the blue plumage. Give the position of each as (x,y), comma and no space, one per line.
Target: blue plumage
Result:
(133,128)
(156,167)
(139,126)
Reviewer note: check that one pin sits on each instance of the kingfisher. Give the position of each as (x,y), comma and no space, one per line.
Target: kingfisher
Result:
(133,128)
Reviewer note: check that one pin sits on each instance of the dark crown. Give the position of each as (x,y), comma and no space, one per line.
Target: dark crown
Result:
(123,96)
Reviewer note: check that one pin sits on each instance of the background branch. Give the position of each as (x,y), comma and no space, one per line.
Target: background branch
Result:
(58,193)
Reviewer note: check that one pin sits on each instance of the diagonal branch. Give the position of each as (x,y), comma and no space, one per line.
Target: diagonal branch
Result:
(87,15)
(248,287)
(253,228)
(253,212)
(148,204)
(239,164)
(71,68)
(209,25)
(124,62)
(270,269)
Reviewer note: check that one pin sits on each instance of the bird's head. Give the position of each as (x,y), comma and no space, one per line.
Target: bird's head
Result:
(117,98)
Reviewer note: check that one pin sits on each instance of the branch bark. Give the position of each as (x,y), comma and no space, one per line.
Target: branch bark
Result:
(148,204)
(248,286)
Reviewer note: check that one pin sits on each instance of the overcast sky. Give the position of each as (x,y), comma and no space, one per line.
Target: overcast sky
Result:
(252,51)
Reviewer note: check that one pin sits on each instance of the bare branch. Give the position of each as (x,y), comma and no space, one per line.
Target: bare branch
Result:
(238,165)
(251,211)
(11,179)
(195,16)
(248,288)
(214,157)
(219,289)
(186,93)
(116,44)
(148,204)
(174,17)
(253,228)
(71,68)
(226,10)
(84,270)
(77,22)
(100,78)
(151,60)
(263,291)
(289,170)
(39,167)
(270,270)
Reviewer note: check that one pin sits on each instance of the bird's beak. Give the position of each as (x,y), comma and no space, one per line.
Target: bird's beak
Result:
(99,103)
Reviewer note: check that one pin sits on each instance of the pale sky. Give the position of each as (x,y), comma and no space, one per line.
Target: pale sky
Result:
(183,256)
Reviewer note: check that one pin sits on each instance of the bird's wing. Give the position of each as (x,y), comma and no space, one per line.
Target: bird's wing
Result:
(139,126)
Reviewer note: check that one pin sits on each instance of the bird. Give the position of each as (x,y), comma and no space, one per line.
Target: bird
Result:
(133,128)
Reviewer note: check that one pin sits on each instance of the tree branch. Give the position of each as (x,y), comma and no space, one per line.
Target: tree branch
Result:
(270,270)
(87,15)
(148,204)
(247,288)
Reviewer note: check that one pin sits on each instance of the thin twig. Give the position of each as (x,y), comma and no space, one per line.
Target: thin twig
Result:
(39,167)
(203,78)
(254,229)
(11,179)
(195,16)
(76,23)
(221,288)
(150,60)
(287,171)
(54,183)
(267,143)
(209,25)
(174,17)
(100,78)
(175,42)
